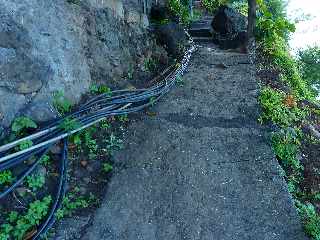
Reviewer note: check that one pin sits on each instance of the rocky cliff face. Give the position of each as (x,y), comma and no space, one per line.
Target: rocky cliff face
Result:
(66,45)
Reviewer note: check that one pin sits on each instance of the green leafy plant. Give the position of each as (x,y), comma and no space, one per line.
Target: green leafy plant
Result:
(6,177)
(91,143)
(35,182)
(69,124)
(107,167)
(61,103)
(275,110)
(149,64)
(123,118)
(19,225)
(24,145)
(95,89)
(21,124)
(311,219)
(113,143)
(309,60)
(45,160)
(73,201)
(212,5)
(105,124)
(286,144)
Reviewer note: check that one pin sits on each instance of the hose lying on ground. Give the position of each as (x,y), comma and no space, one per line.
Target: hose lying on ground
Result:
(95,110)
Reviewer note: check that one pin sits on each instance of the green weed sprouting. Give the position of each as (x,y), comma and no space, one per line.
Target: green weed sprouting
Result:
(18,225)
(61,103)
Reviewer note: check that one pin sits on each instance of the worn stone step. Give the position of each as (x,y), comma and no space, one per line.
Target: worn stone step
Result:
(202,39)
(200,32)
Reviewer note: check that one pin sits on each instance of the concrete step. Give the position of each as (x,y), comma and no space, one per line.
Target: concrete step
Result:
(200,32)
(202,39)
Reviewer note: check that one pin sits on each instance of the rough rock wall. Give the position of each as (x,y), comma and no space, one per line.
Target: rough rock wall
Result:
(48,46)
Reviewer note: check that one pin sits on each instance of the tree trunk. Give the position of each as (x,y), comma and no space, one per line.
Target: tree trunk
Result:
(251,19)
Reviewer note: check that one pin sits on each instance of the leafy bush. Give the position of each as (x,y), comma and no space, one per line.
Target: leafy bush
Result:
(212,5)
(309,60)
(180,8)
(61,103)
(73,201)
(18,226)
(275,109)
(311,220)
(6,177)
(286,145)
(35,182)
(21,124)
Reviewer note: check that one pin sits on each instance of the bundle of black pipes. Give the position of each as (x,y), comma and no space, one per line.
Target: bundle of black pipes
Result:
(97,109)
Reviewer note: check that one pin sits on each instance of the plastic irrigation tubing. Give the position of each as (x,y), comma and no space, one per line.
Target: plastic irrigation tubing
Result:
(13,162)
(45,227)
(165,87)
(23,176)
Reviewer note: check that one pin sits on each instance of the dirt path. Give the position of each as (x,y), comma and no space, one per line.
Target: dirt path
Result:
(201,169)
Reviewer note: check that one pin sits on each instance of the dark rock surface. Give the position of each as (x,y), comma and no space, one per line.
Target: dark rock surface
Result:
(173,37)
(201,169)
(229,28)
(61,45)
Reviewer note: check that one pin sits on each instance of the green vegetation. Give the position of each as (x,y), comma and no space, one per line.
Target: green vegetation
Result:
(19,225)
(35,182)
(24,145)
(95,89)
(150,65)
(309,60)
(74,201)
(69,124)
(21,124)
(61,103)
(285,144)
(113,143)
(279,108)
(107,167)
(212,5)
(180,8)
(45,160)
(6,177)
(282,107)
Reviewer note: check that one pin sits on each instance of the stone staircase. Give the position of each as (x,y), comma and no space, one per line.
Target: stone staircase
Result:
(200,30)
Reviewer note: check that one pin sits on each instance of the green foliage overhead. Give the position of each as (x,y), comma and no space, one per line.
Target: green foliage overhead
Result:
(310,64)
(212,5)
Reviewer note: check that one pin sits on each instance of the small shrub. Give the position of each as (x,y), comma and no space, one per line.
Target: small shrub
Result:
(19,226)
(286,145)
(107,167)
(21,124)
(275,109)
(62,104)
(6,177)
(73,201)
(95,89)
(311,220)
(35,182)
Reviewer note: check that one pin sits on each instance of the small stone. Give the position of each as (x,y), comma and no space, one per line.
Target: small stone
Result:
(87,180)
(56,149)
(84,163)
(21,191)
